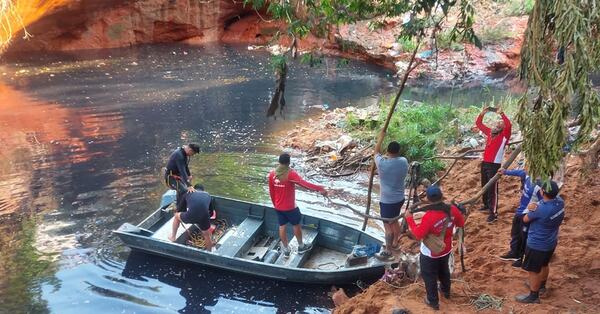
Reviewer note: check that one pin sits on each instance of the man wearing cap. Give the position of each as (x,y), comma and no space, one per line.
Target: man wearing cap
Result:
(530,192)
(544,218)
(392,169)
(177,172)
(434,265)
(497,138)
(282,189)
(197,205)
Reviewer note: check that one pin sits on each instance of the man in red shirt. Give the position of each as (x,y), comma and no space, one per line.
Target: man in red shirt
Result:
(434,265)
(282,188)
(497,138)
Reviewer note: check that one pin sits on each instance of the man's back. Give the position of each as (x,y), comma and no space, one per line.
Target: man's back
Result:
(544,224)
(198,201)
(392,173)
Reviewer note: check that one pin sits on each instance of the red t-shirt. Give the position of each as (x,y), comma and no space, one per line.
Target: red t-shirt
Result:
(432,224)
(494,145)
(283,192)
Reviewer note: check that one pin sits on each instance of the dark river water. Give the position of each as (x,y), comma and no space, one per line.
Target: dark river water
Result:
(83,138)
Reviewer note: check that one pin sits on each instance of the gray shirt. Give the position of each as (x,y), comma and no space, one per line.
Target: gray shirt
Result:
(392,172)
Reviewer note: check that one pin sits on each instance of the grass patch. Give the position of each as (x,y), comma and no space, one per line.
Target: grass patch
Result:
(424,129)
(406,45)
(519,7)
(494,34)
(444,41)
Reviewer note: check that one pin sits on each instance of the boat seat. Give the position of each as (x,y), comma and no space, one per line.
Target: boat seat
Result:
(241,238)
(309,235)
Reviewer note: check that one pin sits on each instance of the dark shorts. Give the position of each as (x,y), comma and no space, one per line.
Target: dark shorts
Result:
(534,260)
(390,210)
(292,216)
(198,217)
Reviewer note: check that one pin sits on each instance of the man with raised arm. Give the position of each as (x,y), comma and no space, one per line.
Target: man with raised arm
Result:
(497,138)
(282,189)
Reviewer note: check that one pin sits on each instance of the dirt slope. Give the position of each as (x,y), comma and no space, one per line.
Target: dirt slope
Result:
(574,272)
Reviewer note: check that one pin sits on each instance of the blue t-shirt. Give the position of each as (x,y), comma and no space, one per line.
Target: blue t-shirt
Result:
(529,190)
(544,224)
(392,172)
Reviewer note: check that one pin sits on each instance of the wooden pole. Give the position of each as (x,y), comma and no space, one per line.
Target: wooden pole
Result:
(409,69)
(495,178)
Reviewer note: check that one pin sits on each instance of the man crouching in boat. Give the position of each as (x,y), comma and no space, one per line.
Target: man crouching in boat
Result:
(198,212)
(282,188)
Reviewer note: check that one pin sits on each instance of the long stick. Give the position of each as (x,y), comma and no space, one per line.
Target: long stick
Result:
(495,178)
(409,69)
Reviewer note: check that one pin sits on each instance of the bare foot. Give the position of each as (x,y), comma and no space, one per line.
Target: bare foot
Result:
(172,238)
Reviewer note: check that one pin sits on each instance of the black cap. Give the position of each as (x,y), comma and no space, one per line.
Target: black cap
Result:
(194,147)
(284,159)
(434,193)
(551,190)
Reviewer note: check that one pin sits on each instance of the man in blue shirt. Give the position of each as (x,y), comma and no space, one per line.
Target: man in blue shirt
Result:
(392,169)
(544,220)
(530,192)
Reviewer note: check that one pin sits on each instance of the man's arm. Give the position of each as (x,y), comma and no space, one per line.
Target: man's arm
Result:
(533,213)
(480,125)
(459,220)
(295,178)
(182,168)
(516,173)
(507,126)
(421,230)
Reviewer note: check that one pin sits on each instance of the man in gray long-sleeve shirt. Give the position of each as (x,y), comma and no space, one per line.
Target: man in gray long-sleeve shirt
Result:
(177,173)
(392,169)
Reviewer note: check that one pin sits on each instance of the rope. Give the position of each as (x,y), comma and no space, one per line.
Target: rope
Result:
(197,240)
(486,301)
(336,267)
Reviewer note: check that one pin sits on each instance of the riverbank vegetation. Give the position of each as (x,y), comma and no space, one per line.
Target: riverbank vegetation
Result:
(423,130)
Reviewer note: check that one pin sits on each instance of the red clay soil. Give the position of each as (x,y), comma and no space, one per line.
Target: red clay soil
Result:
(573,284)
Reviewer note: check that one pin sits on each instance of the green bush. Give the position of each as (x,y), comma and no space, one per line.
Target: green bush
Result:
(519,7)
(406,45)
(444,41)
(422,129)
(494,34)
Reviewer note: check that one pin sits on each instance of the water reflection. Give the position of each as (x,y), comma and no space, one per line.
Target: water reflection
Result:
(84,138)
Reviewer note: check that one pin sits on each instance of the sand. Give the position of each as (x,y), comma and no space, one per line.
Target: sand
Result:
(574,282)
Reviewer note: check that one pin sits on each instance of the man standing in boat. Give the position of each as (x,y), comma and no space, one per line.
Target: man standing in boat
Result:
(282,188)
(392,169)
(197,204)
(177,173)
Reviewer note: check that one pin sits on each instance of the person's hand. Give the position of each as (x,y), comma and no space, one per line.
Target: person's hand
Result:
(190,178)
(191,189)
(532,207)
(499,110)
(324,192)
(408,214)
(474,129)
(501,171)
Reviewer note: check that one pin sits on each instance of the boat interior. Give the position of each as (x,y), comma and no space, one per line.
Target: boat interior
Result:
(252,234)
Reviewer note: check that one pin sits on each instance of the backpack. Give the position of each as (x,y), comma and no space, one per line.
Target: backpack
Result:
(435,243)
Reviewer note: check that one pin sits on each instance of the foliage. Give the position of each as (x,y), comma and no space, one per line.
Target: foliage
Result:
(444,41)
(519,7)
(559,84)
(419,129)
(494,34)
(406,44)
